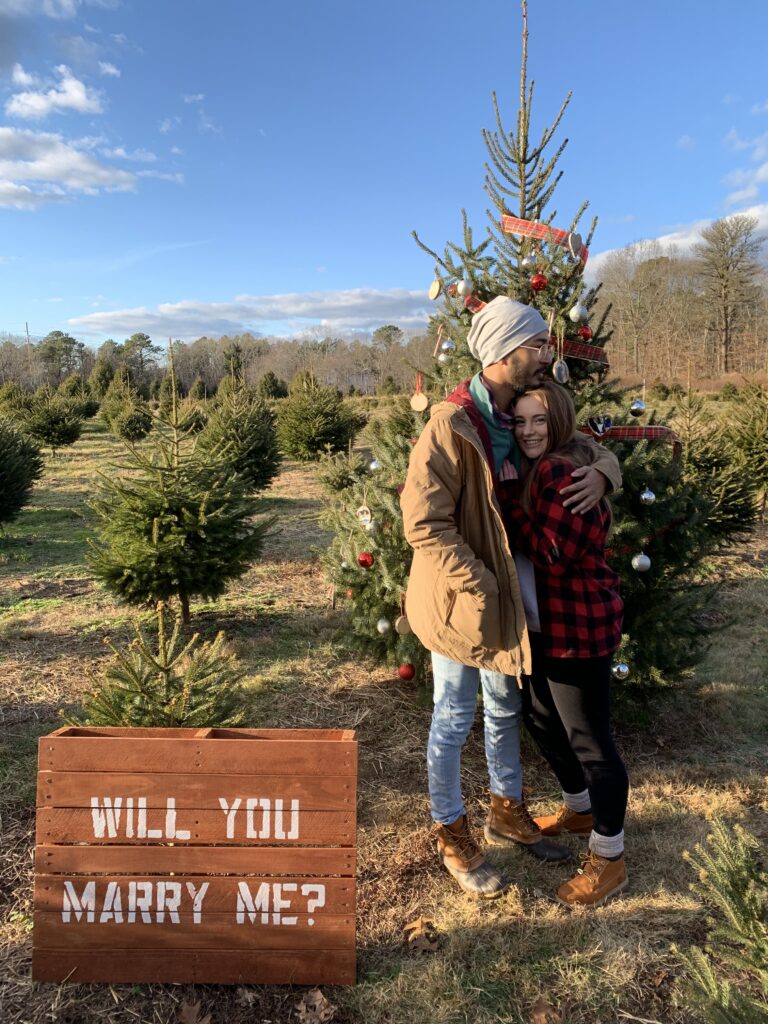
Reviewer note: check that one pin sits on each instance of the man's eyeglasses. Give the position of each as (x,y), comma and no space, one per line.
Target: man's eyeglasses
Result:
(545,352)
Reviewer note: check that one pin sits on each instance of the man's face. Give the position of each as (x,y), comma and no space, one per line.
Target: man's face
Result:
(527,367)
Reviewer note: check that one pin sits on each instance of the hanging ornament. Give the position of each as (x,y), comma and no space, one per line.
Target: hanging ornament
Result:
(641,562)
(350,592)
(435,289)
(529,261)
(344,565)
(599,425)
(402,625)
(364,515)
(574,244)
(453,289)
(647,497)
(443,358)
(373,465)
(585,332)
(578,313)
(539,282)
(560,371)
(365,559)
(419,400)
(383,626)
(448,345)
(406,671)
(620,670)
(464,287)
(371,527)
(637,408)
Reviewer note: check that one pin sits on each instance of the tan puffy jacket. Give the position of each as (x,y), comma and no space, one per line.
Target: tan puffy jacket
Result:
(463,599)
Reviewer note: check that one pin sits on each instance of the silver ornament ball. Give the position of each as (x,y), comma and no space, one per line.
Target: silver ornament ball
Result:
(448,345)
(647,497)
(529,261)
(579,313)
(443,358)
(464,287)
(641,562)
(383,626)
(637,408)
(620,670)
(373,465)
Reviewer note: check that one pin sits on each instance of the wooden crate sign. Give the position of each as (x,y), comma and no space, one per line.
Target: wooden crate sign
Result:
(222,856)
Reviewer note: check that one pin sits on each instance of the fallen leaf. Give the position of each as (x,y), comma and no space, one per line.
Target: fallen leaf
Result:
(544,1013)
(422,936)
(189,1013)
(314,1008)
(246,996)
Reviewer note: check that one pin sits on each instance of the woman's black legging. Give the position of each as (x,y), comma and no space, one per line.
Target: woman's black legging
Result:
(567,711)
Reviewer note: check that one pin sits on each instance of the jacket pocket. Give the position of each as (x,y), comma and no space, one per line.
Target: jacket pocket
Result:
(474,616)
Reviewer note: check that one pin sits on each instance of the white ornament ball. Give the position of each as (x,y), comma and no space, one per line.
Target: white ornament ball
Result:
(464,287)
(579,313)
(345,565)
(448,345)
(637,408)
(641,562)
(443,358)
(647,497)
(620,670)
(383,626)
(373,465)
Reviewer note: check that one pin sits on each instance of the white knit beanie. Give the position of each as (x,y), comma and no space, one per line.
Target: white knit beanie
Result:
(501,327)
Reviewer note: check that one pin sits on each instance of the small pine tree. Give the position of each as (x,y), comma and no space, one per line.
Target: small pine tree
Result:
(78,392)
(51,420)
(101,377)
(731,882)
(314,419)
(20,465)
(132,422)
(165,394)
(197,390)
(178,524)
(363,510)
(171,684)
(241,431)
(271,387)
(14,399)
(748,433)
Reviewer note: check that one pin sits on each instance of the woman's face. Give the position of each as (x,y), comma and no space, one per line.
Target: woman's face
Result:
(531,427)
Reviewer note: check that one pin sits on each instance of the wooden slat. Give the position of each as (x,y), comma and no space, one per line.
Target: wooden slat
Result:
(215,931)
(319,828)
(75,789)
(252,756)
(161,732)
(196,859)
(220,897)
(222,966)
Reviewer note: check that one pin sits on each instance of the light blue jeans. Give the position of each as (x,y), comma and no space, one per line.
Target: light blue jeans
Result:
(456,688)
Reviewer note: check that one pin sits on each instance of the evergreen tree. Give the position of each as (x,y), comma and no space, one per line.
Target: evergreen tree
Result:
(174,523)
(20,465)
(78,392)
(101,377)
(666,518)
(51,420)
(197,389)
(125,413)
(14,399)
(176,685)
(747,432)
(314,419)
(241,432)
(271,387)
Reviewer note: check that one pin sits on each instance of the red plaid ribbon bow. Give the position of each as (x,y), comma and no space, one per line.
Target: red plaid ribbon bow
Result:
(532,229)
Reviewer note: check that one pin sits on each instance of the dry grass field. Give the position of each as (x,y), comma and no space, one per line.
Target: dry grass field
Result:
(692,751)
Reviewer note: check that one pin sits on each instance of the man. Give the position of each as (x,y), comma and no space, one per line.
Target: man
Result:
(464,599)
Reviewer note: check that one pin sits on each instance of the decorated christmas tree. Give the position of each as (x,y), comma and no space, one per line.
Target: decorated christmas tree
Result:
(667,517)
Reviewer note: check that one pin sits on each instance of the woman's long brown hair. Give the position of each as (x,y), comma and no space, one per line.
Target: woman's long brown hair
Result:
(564,443)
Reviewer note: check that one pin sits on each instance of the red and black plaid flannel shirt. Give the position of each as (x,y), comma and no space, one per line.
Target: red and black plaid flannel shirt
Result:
(578,593)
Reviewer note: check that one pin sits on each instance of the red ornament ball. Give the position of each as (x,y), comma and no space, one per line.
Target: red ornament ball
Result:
(585,332)
(539,282)
(350,592)
(365,559)
(406,671)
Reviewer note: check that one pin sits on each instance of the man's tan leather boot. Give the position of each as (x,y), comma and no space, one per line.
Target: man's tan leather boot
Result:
(565,820)
(510,824)
(596,881)
(464,859)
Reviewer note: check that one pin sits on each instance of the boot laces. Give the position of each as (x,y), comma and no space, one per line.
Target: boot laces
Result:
(590,865)
(464,842)
(524,815)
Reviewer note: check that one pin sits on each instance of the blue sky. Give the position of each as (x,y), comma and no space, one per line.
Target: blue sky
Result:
(188,166)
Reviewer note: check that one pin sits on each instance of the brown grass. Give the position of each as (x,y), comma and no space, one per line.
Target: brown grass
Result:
(692,752)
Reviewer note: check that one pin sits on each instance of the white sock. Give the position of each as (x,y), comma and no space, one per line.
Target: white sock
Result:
(577,802)
(607,846)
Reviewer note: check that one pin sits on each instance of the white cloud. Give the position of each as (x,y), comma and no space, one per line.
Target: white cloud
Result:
(40,167)
(760,108)
(176,151)
(206,124)
(144,156)
(69,94)
(176,177)
(57,9)
(682,239)
(196,97)
(22,78)
(168,124)
(353,309)
(685,142)
(108,69)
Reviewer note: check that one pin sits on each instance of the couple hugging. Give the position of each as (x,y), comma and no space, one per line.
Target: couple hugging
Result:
(504,506)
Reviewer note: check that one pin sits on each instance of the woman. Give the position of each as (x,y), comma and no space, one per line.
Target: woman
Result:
(574,614)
